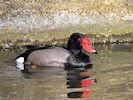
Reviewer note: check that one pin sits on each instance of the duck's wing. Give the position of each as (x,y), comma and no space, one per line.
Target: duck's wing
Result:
(31,49)
(25,54)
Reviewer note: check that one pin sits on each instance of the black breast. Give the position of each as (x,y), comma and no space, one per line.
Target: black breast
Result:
(78,60)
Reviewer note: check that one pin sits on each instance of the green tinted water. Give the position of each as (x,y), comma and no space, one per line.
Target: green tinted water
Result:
(112,68)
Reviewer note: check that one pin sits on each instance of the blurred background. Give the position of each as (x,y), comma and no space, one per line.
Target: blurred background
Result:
(48,19)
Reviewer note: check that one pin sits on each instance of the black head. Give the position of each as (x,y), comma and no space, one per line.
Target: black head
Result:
(78,41)
(74,41)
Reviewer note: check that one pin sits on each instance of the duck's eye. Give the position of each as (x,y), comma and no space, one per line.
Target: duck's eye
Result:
(79,39)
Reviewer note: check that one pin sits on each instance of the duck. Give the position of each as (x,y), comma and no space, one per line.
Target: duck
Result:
(53,56)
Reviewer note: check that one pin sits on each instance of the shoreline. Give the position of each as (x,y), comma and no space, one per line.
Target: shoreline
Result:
(21,40)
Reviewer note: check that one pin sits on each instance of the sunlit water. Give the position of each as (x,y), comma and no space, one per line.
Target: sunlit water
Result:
(112,68)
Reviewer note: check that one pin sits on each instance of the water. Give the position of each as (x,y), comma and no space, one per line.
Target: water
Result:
(112,69)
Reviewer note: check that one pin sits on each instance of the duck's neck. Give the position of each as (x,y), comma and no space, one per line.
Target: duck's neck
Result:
(75,52)
(73,48)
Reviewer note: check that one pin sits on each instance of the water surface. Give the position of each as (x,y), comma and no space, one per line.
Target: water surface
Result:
(112,68)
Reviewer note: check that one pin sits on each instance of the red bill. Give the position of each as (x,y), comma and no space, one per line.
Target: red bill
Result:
(86,46)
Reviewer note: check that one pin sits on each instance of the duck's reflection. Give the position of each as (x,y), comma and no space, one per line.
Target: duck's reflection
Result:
(79,94)
(79,78)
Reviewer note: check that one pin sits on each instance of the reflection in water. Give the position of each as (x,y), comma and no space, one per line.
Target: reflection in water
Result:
(39,71)
(76,77)
(79,94)
(112,67)
(79,78)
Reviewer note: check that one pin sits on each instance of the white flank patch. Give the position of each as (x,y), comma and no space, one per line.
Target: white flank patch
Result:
(20,60)
(20,63)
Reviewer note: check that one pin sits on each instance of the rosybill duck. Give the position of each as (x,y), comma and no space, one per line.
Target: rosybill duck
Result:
(72,55)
